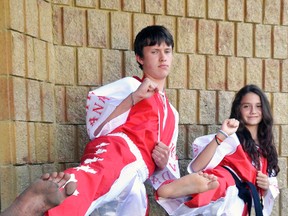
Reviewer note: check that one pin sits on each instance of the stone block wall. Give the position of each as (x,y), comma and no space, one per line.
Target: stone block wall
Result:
(52,52)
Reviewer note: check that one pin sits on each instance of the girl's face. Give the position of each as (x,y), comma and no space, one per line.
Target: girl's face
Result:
(251,109)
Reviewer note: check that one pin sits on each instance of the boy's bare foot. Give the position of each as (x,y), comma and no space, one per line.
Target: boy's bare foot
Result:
(190,184)
(42,195)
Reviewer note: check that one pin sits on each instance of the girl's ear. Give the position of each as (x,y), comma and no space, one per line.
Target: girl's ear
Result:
(139,59)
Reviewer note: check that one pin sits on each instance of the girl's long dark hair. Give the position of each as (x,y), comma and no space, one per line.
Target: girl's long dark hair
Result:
(265,132)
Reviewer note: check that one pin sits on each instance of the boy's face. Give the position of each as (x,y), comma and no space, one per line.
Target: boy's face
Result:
(156,61)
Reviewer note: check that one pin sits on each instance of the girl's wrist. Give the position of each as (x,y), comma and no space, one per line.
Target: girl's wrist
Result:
(221,136)
(223,133)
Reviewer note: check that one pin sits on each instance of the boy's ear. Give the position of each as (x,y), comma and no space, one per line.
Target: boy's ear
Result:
(139,59)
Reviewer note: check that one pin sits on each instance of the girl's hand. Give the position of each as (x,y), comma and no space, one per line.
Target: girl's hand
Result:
(262,181)
(230,126)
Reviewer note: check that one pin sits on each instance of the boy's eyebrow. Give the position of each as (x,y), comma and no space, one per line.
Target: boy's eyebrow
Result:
(168,48)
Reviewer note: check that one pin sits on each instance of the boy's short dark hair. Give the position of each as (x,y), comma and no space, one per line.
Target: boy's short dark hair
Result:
(150,36)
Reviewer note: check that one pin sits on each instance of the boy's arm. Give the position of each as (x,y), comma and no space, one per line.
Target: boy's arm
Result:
(146,89)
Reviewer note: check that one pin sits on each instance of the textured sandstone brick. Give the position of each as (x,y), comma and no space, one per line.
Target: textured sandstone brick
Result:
(74,27)
(132,5)
(279,105)
(42,142)
(21,143)
(187,106)
(30,57)
(32,18)
(269,98)
(212,128)
(168,22)
(216,73)
(254,72)
(47,96)
(35,172)
(197,72)
(82,139)
(178,74)
(48,168)
(18,54)
(285,12)
(284,77)
(272,12)
(16,14)
(57,17)
(282,177)
(263,41)
(196,8)
(254,11)
(110,4)
(206,37)
(272,75)
(86,3)
(88,66)
(18,100)
(7,185)
(45,21)
(111,66)
(97,22)
(41,71)
(4,99)
(172,96)
(120,30)
(225,99)
(283,209)
(155,208)
(284,140)
(66,65)
(131,67)
(4,14)
(235,10)
(226,38)
(194,131)
(22,180)
(186,35)
(235,73)
(51,150)
(216,9)
(31,136)
(207,107)
(5,53)
(183,164)
(139,22)
(60,99)
(63,2)
(181,143)
(175,7)
(244,40)
(154,6)
(65,143)
(276,209)
(276,129)
(7,141)
(51,62)
(280,42)
(33,100)
(76,102)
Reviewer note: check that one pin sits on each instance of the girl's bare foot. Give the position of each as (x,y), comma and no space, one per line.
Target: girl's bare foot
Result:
(190,184)
(42,195)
